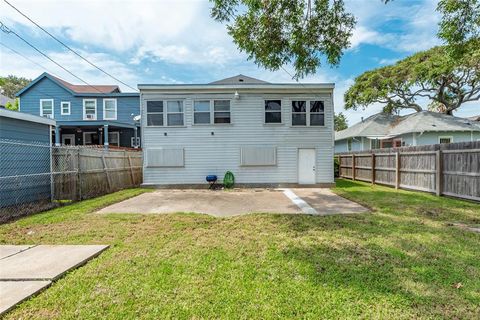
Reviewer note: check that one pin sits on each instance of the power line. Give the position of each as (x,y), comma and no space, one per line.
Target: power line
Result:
(27,58)
(7,30)
(68,47)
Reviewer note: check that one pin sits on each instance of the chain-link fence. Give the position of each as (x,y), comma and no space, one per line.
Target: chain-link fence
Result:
(36,177)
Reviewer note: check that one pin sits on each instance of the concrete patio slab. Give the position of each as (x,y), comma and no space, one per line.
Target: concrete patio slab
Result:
(325,202)
(216,203)
(14,292)
(46,262)
(10,250)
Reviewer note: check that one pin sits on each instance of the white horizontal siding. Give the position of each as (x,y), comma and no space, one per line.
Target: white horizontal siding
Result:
(205,153)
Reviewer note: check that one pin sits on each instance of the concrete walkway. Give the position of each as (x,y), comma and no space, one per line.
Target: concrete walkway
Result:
(27,269)
(221,203)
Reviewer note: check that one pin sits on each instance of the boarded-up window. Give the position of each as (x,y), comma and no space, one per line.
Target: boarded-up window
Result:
(165,157)
(258,156)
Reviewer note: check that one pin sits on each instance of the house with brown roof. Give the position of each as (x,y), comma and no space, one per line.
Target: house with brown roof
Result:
(84,114)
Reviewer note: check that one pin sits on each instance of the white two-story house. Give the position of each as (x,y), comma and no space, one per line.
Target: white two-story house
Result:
(267,134)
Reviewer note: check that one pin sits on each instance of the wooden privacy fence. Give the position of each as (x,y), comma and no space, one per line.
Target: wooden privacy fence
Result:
(82,172)
(444,169)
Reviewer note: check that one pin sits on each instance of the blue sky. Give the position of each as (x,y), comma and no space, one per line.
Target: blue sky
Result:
(176,41)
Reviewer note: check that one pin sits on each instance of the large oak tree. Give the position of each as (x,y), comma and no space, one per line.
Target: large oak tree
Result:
(447,82)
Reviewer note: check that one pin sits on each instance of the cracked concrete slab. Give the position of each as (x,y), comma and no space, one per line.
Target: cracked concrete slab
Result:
(46,262)
(14,292)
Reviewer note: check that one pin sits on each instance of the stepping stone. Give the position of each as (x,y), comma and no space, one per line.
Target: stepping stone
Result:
(14,292)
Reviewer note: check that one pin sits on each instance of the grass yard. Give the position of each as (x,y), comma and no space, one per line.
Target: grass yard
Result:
(402,261)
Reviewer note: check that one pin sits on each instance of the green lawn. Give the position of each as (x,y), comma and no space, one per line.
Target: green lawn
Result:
(403,261)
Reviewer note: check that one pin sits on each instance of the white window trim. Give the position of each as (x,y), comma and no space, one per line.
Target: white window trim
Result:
(118,137)
(85,132)
(165,114)
(265,113)
(445,137)
(61,108)
(41,107)
(212,113)
(307,113)
(104,111)
(84,114)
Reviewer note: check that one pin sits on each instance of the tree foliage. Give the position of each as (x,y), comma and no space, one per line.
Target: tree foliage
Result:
(340,122)
(445,81)
(460,22)
(279,32)
(12,84)
(12,106)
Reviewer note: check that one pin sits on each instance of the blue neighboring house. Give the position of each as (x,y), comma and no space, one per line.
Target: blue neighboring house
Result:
(84,114)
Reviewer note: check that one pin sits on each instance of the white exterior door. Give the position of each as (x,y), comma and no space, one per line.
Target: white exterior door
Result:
(68,139)
(306,166)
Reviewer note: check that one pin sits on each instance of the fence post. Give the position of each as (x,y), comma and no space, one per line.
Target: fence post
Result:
(353,167)
(438,173)
(373,168)
(131,170)
(397,170)
(105,169)
(79,175)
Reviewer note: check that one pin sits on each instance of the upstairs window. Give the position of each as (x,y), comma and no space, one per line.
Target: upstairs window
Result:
(299,113)
(175,113)
(110,109)
(46,108)
(308,113)
(201,112)
(273,111)
(317,113)
(165,113)
(65,108)
(154,113)
(221,111)
(89,109)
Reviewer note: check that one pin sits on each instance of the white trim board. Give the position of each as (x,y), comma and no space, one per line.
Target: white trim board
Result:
(305,207)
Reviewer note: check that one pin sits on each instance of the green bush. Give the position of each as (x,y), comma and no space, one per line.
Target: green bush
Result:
(336,167)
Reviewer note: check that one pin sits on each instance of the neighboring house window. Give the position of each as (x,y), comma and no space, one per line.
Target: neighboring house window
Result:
(110,109)
(201,112)
(114,138)
(46,108)
(175,113)
(221,111)
(273,111)
(154,113)
(374,144)
(445,139)
(65,108)
(89,109)
(308,113)
(349,144)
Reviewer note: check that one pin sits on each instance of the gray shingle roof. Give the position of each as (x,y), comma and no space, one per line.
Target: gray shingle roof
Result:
(4,100)
(382,125)
(239,79)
